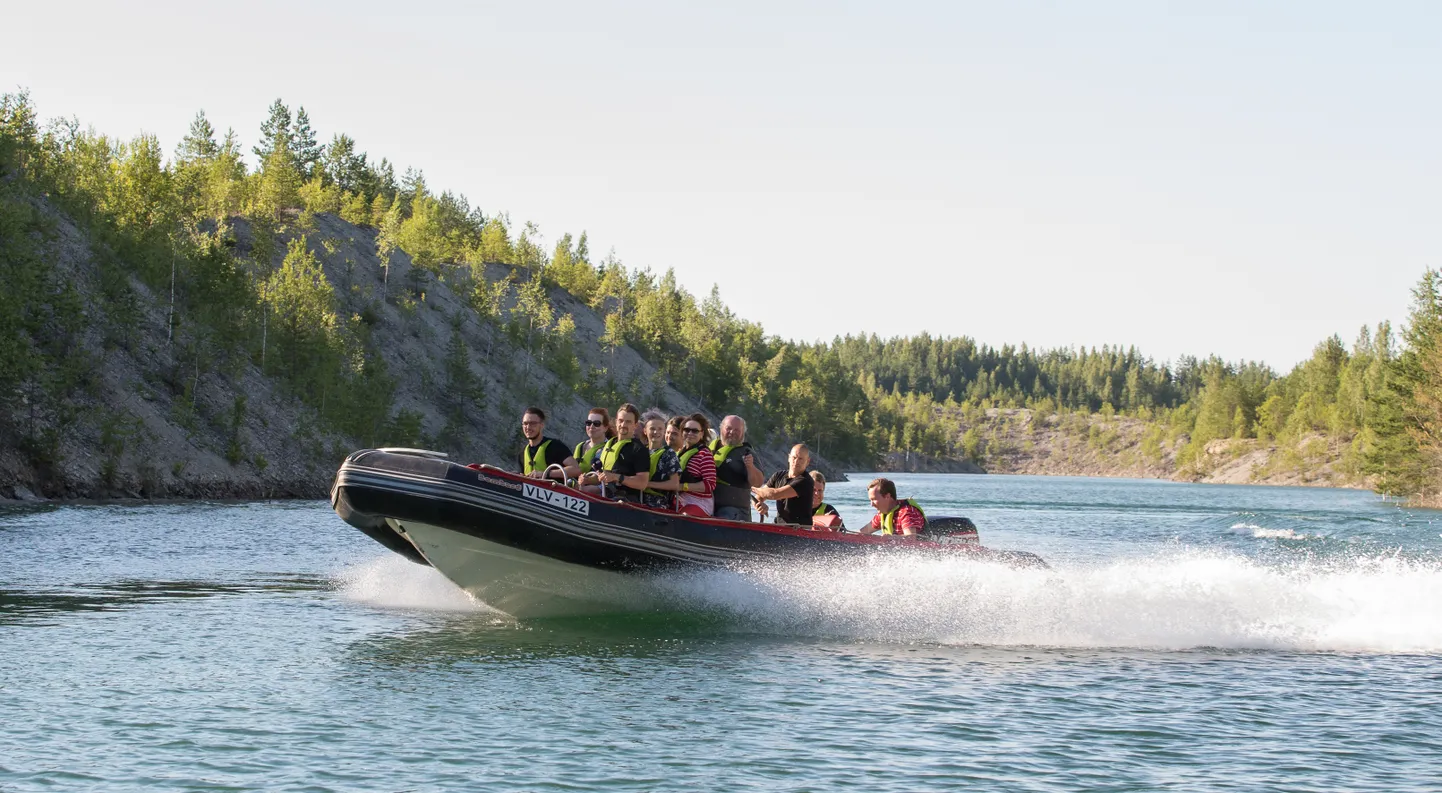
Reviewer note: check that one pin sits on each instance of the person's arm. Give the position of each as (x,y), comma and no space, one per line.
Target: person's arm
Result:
(672,481)
(774,493)
(637,459)
(706,469)
(753,474)
(635,481)
(570,469)
(909,522)
(872,527)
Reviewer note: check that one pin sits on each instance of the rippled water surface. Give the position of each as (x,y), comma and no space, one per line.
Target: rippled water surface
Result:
(1187,637)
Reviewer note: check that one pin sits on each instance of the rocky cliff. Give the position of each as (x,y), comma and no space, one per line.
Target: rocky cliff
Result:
(150,423)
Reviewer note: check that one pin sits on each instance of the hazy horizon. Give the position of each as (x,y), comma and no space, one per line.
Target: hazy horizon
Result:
(1232,181)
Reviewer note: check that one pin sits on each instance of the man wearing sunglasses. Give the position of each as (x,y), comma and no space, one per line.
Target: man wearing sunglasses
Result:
(542,457)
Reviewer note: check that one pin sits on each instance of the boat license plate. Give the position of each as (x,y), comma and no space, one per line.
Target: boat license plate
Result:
(580,506)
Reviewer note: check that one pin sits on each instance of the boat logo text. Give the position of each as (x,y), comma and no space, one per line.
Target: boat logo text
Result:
(580,506)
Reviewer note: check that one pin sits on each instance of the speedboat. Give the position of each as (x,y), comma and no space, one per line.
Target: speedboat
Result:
(536,548)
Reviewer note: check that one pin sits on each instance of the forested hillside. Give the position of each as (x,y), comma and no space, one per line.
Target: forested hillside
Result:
(184,323)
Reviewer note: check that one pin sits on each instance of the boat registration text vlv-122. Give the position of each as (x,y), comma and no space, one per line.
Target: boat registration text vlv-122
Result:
(580,506)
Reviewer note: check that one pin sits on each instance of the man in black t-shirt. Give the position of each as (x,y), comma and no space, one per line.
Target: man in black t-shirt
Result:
(540,453)
(791,489)
(625,461)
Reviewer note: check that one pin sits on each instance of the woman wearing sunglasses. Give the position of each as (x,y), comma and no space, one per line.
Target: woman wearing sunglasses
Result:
(697,482)
(693,489)
(598,431)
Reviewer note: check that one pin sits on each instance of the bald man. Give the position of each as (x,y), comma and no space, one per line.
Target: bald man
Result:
(736,471)
(790,489)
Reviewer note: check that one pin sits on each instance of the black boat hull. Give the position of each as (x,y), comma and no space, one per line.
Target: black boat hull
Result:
(535,548)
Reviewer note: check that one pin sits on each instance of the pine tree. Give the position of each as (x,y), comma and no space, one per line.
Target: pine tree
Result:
(354,209)
(192,159)
(379,205)
(464,392)
(534,305)
(495,245)
(385,177)
(279,186)
(413,185)
(304,146)
(1417,381)
(199,143)
(275,134)
(344,167)
(561,353)
(303,306)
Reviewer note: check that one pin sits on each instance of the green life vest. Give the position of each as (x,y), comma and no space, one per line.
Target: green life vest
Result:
(528,461)
(685,458)
(821,510)
(727,494)
(888,521)
(721,452)
(612,452)
(655,460)
(584,460)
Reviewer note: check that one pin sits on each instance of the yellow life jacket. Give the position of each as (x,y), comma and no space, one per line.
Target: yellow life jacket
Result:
(686,456)
(655,460)
(612,451)
(584,459)
(888,521)
(821,510)
(721,452)
(528,462)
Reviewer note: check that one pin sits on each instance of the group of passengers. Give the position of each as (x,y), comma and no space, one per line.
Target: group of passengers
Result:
(679,464)
(660,462)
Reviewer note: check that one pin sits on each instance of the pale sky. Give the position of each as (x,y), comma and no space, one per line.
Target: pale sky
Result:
(1216,177)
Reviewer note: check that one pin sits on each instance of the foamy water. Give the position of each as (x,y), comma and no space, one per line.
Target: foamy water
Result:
(1172,600)
(391,581)
(1263,533)
(1169,601)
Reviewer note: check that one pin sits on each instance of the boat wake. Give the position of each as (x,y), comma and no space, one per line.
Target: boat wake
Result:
(1177,600)
(1263,533)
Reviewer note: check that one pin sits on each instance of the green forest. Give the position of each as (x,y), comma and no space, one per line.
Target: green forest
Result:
(169,220)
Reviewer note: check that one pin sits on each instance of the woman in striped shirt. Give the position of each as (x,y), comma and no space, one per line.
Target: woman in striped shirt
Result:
(698,469)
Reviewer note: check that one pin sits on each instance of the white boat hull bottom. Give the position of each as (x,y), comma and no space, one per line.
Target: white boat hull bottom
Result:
(526,585)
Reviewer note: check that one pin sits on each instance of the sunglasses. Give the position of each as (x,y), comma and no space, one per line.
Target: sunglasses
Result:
(590,423)
(690,430)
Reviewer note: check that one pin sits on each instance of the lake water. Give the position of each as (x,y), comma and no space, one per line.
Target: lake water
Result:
(1187,637)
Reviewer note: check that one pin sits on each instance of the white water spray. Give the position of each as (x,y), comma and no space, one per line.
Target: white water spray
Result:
(391,581)
(1178,600)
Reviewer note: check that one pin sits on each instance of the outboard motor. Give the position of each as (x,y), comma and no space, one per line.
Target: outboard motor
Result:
(951,530)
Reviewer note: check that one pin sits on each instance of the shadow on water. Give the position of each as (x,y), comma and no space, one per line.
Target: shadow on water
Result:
(38,606)
(498,639)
